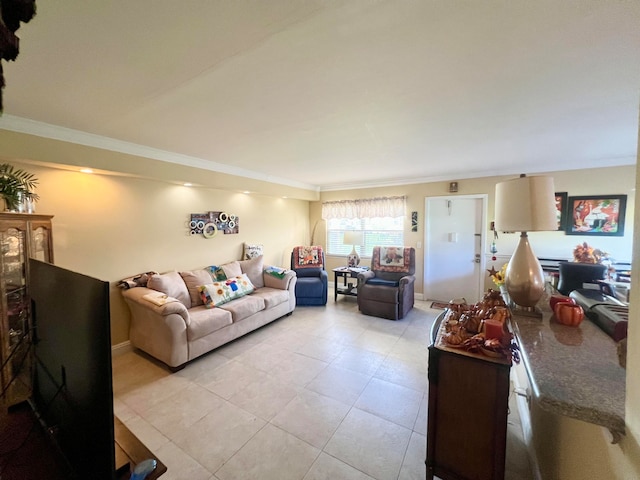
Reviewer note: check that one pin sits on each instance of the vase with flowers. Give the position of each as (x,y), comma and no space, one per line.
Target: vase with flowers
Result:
(498,278)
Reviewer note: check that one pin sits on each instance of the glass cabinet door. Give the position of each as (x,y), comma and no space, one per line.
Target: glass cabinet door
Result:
(22,236)
(15,331)
(41,243)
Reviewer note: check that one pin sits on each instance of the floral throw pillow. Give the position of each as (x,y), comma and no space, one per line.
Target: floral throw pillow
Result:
(219,293)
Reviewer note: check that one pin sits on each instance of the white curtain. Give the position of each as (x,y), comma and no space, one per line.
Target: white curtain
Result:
(365,208)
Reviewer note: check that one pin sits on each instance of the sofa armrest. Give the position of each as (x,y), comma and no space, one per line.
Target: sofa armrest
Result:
(135,295)
(283,283)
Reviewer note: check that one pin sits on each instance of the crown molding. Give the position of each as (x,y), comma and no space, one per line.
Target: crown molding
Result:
(539,168)
(55,132)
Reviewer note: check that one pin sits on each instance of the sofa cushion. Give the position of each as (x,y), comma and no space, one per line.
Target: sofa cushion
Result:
(205,321)
(232,269)
(272,296)
(193,279)
(218,293)
(382,281)
(172,285)
(254,268)
(244,307)
(252,250)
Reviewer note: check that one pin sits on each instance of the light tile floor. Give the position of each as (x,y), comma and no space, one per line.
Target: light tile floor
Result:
(326,393)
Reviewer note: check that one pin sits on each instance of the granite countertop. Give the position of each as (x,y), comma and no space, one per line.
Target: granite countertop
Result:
(574,371)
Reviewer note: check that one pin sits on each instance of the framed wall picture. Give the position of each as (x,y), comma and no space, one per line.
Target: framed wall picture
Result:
(596,215)
(561,210)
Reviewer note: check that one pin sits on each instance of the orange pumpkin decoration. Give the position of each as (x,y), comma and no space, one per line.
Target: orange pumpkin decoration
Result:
(568,313)
(554,299)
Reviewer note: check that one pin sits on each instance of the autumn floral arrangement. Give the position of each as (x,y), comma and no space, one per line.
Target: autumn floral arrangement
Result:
(585,253)
(498,277)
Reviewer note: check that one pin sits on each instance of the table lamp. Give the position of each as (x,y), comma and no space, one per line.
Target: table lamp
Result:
(525,204)
(353,238)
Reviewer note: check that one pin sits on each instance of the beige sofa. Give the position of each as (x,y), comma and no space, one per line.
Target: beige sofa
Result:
(183,328)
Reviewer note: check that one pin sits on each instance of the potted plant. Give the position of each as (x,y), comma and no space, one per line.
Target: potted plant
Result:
(16,187)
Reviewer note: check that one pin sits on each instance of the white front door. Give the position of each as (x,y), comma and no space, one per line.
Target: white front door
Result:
(454,245)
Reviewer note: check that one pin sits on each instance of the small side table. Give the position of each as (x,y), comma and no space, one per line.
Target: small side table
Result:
(347,288)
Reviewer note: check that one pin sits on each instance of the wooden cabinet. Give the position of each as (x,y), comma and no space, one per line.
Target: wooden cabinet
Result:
(22,236)
(467,415)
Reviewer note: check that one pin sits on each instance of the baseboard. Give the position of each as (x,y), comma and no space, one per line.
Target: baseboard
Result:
(121,348)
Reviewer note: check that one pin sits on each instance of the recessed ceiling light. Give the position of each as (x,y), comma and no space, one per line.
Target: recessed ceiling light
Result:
(86,170)
(188,184)
(285,197)
(247,192)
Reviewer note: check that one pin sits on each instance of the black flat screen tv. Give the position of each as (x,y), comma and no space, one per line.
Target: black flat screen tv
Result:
(73,390)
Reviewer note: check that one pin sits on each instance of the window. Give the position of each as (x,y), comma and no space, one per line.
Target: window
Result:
(377,231)
(381,220)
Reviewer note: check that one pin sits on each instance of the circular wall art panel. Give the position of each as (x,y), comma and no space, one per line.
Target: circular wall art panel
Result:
(210,230)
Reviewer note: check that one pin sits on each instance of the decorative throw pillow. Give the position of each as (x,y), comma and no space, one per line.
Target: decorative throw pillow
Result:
(217,273)
(193,279)
(252,250)
(305,257)
(218,293)
(172,285)
(253,268)
(232,269)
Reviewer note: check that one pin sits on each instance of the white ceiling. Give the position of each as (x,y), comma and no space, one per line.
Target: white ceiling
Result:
(329,94)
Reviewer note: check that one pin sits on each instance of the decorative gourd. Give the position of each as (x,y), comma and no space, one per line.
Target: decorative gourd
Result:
(568,313)
(559,298)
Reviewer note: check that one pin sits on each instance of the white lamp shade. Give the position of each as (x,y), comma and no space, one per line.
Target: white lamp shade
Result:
(353,238)
(526,204)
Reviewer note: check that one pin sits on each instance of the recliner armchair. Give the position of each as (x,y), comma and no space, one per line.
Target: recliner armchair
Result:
(313,281)
(386,290)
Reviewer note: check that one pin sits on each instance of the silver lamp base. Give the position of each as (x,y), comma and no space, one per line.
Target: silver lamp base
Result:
(353,259)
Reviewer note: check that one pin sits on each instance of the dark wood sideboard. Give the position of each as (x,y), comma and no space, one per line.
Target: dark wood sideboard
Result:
(467,414)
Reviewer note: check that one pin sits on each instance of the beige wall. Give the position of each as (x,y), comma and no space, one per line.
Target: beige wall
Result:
(604,181)
(110,227)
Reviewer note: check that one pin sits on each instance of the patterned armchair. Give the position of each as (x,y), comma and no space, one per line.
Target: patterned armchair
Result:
(387,289)
(313,281)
